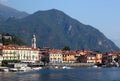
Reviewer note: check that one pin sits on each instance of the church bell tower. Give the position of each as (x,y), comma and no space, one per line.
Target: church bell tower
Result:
(34,41)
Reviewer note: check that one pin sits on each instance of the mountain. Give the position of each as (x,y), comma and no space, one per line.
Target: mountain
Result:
(2,19)
(7,12)
(55,29)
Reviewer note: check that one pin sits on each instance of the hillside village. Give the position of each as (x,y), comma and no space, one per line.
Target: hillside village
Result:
(46,56)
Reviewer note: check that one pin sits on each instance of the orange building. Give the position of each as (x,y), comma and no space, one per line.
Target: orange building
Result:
(98,58)
(94,57)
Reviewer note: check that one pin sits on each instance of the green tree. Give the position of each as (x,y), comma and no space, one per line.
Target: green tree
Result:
(5,62)
(17,40)
(67,48)
(45,58)
(14,40)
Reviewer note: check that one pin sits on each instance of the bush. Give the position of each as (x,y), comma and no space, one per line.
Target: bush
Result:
(5,62)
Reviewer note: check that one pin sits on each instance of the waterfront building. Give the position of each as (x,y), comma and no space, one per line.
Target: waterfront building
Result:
(81,59)
(94,57)
(80,52)
(111,56)
(22,53)
(105,58)
(69,56)
(1,59)
(55,56)
(90,58)
(9,52)
(111,59)
(28,54)
(98,58)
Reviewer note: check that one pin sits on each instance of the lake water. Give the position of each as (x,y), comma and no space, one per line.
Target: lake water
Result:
(80,74)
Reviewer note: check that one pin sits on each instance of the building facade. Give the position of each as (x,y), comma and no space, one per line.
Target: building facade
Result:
(22,53)
(98,58)
(1,59)
(69,56)
(55,56)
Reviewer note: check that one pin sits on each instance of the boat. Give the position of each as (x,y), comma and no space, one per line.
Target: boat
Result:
(95,66)
(13,70)
(6,70)
(66,67)
(21,69)
(24,69)
(56,67)
(36,68)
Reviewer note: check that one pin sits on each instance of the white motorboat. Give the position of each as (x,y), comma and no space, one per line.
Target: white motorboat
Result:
(95,66)
(66,67)
(56,67)
(24,69)
(36,68)
(13,70)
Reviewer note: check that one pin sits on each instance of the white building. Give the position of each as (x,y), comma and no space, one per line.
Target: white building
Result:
(55,56)
(22,53)
(1,59)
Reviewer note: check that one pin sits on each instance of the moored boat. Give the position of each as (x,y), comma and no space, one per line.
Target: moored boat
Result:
(66,67)
(36,68)
(13,70)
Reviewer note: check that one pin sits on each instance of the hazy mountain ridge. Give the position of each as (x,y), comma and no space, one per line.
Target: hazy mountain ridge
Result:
(55,29)
(7,12)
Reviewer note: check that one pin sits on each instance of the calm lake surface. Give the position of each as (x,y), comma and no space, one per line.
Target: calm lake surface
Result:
(80,74)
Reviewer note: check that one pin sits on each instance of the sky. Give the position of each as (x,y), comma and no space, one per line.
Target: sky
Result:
(101,14)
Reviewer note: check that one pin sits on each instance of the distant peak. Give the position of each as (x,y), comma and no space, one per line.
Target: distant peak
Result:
(49,11)
(53,10)
(7,12)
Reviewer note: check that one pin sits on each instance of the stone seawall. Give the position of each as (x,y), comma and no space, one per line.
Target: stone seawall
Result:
(73,64)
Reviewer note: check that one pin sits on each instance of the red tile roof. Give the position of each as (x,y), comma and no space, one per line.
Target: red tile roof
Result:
(16,47)
(54,51)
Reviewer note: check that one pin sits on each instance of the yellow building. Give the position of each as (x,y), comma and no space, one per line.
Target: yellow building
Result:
(69,56)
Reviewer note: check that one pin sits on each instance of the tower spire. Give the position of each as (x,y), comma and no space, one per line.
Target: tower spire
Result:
(34,41)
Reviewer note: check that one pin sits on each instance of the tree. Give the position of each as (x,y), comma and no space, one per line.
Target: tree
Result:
(67,48)
(45,58)
(81,59)
(13,40)
(5,62)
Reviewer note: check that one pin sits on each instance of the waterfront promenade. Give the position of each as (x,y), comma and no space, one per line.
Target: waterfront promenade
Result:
(59,65)
(71,64)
